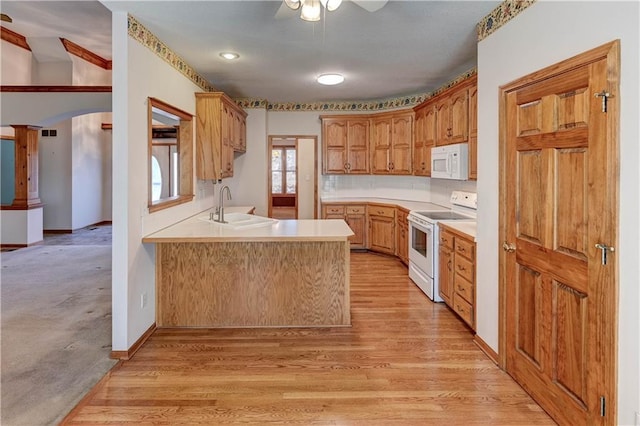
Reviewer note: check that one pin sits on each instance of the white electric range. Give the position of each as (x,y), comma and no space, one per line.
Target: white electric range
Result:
(424,238)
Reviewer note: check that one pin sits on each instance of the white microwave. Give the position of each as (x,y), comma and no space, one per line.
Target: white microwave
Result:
(450,162)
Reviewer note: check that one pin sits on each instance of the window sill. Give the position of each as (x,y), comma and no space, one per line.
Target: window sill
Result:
(169,202)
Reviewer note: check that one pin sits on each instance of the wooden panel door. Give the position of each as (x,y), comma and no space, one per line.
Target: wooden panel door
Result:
(559,181)
(334,143)
(358,146)
(380,145)
(402,140)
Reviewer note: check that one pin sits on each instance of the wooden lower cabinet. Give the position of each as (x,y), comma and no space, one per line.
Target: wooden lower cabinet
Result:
(402,235)
(458,273)
(382,224)
(356,217)
(445,267)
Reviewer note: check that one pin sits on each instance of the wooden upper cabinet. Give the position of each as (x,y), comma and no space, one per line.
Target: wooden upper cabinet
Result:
(392,140)
(402,141)
(220,129)
(452,117)
(473,131)
(424,139)
(381,144)
(345,145)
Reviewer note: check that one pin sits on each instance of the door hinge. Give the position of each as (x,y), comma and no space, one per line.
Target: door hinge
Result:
(603,406)
(604,95)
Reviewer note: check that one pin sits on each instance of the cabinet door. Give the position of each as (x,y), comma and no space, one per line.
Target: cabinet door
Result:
(419,151)
(429,136)
(381,145)
(442,122)
(381,234)
(403,243)
(334,143)
(358,146)
(445,269)
(357,224)
(401,139)
(459,113)
(473,132)
(239,131)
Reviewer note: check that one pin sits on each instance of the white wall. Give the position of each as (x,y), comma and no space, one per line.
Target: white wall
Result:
(53,73)
(89,170)
(21,227)
(89,150)
(249,182)
(137,74)
(16,65)
(55,177)
(537,38)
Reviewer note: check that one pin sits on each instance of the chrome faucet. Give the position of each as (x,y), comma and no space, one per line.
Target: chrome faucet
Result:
(221,205)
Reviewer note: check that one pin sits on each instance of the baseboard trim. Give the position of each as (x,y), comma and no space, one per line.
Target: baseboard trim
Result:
(493,355)
(103,222)
(57,231)
(19,246)
(126,355)
(89,395)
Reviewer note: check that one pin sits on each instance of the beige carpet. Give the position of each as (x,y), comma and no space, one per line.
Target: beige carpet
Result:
(56,329)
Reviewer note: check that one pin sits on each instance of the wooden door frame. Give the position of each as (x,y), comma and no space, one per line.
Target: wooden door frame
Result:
(611,52)
(315,170)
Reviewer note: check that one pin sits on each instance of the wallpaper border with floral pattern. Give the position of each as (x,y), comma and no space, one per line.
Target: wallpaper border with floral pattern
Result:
(489,24)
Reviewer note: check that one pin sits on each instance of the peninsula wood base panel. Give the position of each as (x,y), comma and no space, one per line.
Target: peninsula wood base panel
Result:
(253,284)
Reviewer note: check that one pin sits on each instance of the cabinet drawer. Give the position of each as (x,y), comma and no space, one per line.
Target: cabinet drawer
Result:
(376,210)
(463,288)
(464,309)
(465,248)
(464,268)
(334,209)
(446,239)
(355,209)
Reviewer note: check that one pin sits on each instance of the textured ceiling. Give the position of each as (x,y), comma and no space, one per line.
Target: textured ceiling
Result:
(406,47)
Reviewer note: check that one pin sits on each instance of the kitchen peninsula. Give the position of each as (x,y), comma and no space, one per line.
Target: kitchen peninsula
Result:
(290,273)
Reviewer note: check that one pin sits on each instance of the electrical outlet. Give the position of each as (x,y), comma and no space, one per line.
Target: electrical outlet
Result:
(143,300)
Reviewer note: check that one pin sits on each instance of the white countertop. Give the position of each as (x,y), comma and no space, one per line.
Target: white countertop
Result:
(405,204)
(195,230)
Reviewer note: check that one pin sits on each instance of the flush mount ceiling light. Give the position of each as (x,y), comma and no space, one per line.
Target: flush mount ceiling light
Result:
(330,79)
(230,56)
(310,10)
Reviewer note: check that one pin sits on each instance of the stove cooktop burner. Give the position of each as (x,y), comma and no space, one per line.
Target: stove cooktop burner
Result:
(444,215)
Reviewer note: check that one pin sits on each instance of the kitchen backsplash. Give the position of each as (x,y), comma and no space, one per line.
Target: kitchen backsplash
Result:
(413,188)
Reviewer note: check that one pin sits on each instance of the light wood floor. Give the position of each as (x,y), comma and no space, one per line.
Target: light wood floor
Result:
(405,361)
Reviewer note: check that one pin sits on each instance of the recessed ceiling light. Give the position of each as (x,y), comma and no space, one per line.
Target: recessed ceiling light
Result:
(230,56)
(330,79)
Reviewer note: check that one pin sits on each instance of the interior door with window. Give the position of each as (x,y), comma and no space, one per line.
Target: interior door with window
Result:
(559,183)
(292,175)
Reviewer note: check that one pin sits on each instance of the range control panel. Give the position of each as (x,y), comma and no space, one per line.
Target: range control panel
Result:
(464,199)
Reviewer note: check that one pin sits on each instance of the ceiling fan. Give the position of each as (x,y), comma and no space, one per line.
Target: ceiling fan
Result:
(5,18)
(310,10)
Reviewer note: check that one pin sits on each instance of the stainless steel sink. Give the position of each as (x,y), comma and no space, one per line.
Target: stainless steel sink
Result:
(241,221)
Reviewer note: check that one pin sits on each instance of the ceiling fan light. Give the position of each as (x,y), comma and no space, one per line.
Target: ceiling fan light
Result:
(331,5)
(310,10)
(293,4)
(330,79)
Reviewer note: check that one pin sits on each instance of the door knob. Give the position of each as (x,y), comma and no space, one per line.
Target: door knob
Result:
(509,248)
